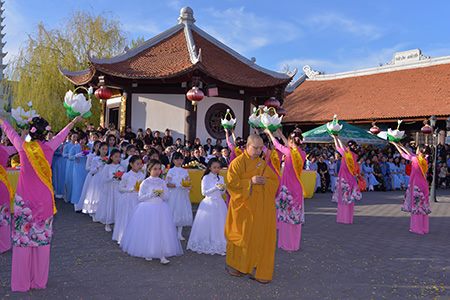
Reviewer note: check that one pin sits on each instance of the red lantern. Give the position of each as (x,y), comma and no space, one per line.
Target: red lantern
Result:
(281,111)
(103,93)
(426,129)
(272,102)
(374,129)
(195,95)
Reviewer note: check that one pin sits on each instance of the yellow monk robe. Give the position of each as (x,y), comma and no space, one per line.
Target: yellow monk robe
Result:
(250,228)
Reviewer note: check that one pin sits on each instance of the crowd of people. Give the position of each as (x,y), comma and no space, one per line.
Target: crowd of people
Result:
(139,180)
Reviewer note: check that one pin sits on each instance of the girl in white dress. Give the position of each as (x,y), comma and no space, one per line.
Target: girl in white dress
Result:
(109,190)
(207,234)
(129,152)
(179,201)
(87,181)
(128,196)
(151,232)
(92,197)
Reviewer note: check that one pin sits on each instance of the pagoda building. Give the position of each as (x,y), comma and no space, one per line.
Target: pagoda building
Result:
(151,82)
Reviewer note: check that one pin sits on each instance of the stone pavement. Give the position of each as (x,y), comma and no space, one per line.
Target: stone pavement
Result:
(375,258)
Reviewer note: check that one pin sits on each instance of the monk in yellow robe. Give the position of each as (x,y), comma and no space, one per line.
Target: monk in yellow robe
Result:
(250,228)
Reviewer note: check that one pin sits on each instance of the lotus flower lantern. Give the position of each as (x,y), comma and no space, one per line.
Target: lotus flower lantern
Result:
(334,127)
(396,135)
(228,122)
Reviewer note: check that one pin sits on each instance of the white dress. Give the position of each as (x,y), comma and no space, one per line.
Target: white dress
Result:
(207,234)
(151,232)
(90,201)
(109,194)
(127,202)
(179,201)
(125,162)
(87,181)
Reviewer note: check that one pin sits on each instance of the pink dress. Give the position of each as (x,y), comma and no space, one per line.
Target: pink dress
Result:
(289,202)
(33,218)
(347,190)
(417,200)
(5,210)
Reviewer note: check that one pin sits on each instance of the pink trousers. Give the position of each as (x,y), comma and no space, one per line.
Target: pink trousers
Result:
(289,236)
(345,213)
(419,224)
(5,238)
(30,267)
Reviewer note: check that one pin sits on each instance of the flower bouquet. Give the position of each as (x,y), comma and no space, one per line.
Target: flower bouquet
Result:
(194,165)
(270,119)
(395,135)
(137,186)
(23,117)
(255,118)
(158,193)
(85,150)
(104,160)
(228,123)
(186,182)
(334,127)
(77,105)
(118,175)
(221,186)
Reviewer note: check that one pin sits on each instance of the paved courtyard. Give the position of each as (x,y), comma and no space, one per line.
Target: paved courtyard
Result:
(376,258)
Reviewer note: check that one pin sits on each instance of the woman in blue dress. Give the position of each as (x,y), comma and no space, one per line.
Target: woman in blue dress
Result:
(403,176)
(367,171)
(69,166)
(394,166)
(58,172)
(78,154)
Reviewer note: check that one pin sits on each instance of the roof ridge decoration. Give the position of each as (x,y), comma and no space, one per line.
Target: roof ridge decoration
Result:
(187,19)
(405,60)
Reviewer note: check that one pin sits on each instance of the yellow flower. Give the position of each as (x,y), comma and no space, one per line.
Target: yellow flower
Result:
(137,186)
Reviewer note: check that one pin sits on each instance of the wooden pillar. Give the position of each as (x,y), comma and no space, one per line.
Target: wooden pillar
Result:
(102,112)
(122,113)
(128,106)
(247,112)
(190,123)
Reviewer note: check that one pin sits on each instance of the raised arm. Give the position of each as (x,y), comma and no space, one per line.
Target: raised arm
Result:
(281,135)
(283,149)
(61,136)
(227,138)
(12,135)
(403,151)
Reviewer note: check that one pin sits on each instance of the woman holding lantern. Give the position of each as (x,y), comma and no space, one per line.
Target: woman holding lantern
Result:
(289,202)
(347,190)
(417,200)
(34,207)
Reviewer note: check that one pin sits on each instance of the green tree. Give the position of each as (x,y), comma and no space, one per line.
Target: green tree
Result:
(137,42)
(35,70)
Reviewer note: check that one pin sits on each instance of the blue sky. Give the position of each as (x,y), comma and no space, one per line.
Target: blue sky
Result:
(331,36)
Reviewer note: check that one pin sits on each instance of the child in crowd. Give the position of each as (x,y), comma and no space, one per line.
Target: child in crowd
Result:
(109,190)
(178,183)
(207,234)
(151,232)
(78,156)
(94,180)
(129,152)
(128,196)
(89,158)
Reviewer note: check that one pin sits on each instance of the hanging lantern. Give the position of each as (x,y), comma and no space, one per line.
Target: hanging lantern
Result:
(195,95)
(374,129)
(426,129)
(103,93)
(272,102)
(281,111)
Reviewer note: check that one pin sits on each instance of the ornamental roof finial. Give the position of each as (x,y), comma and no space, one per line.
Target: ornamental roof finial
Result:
(186,16)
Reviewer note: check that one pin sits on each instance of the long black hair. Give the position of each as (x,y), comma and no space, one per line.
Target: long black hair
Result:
(133,159)
(95,144)
(353,146)
(113,151)
(208,167)
(151,164)
(101,145)
(39,128)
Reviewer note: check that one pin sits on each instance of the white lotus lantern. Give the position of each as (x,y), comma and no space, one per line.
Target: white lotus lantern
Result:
(228,122)
(334,127)
(77,104)
(395,135)
(270,119)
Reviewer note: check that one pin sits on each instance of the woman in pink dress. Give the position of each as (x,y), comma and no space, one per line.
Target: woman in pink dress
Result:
(289,202)
(6,195)
(417,201)
(34,205)
(347,190)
